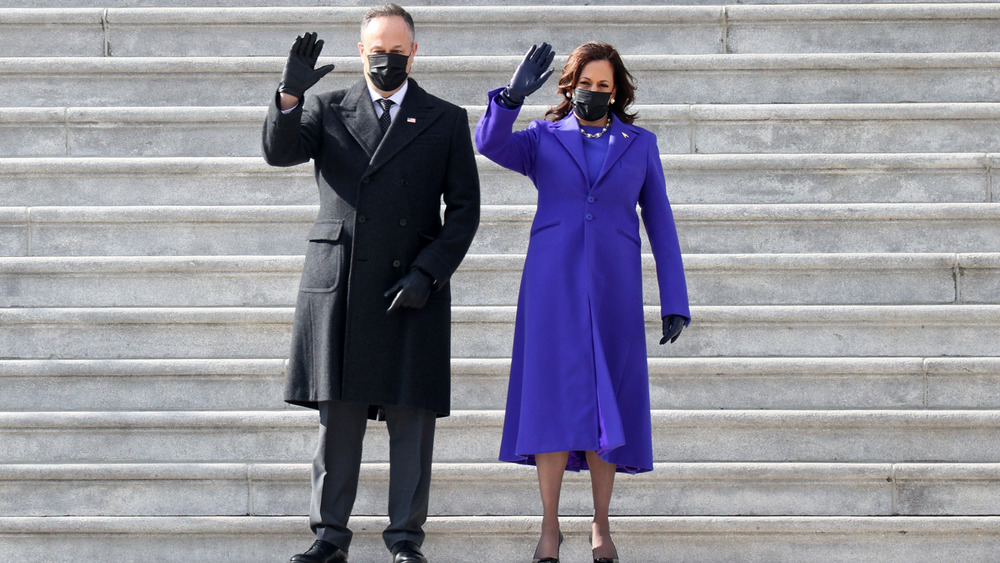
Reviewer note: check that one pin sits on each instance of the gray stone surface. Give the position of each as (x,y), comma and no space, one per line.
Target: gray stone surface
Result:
(51,33)
(936,489)
(866,436)
(827,178)
(441,30)
(481,383)
(673,489)
(703,178)
(788,383)
(153,181)
(809,331)
(152,384)
(486,332)
(497,29)
(840,255)
(711,229)
(963,382)
(862,28)
(696,539)
(494,279)
(149,281)
(978,282)
(741,129)
(673,79)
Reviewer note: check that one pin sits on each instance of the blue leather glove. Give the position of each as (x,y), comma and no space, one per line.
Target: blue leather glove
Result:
(300,72)
(672,327)
(530,75)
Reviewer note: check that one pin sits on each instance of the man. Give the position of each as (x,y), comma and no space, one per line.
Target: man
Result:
(372,330)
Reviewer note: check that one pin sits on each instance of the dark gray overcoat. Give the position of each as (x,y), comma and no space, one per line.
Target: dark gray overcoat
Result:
(379,216)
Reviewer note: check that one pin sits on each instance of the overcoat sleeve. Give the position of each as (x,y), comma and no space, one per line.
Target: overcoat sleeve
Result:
(659,222)
(294,137)
(496,140)
(443,255)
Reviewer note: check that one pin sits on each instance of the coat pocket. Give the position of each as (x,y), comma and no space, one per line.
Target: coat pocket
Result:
(634,240)
(535,229)
(324,258)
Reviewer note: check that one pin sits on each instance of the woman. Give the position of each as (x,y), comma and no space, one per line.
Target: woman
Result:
(578,396)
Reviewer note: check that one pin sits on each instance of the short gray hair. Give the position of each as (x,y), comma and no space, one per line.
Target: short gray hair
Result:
(388,10)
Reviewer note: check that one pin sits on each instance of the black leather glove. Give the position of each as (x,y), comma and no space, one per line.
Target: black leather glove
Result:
(413,290)
(300,72)
(672,327)
(529,76)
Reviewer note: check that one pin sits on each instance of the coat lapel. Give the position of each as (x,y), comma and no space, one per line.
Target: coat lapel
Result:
(416,114)
(359,117)
(568,134)
(622,136)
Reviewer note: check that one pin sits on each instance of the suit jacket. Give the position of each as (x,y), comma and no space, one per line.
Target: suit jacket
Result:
(380,216)
(579,379)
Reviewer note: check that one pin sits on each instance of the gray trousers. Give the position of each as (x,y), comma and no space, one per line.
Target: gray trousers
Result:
(337,465)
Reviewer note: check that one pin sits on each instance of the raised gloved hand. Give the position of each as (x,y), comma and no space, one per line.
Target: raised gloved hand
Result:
(413,290)
(672,327)
(530,75)
(300,72)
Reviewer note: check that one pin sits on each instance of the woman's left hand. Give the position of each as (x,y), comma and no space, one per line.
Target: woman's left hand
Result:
(672,327)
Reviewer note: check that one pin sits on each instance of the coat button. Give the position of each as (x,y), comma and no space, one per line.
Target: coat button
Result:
(590,217)
(362,218)
(396,263)
(591,199)
(402,222)
(402,183)
(366,179)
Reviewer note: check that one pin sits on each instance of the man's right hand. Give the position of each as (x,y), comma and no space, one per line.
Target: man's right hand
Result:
(530,75)
(300,70)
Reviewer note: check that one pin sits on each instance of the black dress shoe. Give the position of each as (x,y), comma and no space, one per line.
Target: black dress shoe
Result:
(407,552)
(321,552)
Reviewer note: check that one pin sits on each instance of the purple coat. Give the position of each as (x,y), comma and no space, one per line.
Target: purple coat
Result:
(579,379)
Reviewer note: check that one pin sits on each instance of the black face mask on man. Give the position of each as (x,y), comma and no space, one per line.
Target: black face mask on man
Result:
(387,70)
(589,105)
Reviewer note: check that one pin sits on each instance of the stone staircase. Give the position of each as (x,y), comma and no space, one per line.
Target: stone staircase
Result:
(837,397)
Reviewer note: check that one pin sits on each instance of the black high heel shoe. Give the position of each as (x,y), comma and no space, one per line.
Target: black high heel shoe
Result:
(601,559)
(550,559)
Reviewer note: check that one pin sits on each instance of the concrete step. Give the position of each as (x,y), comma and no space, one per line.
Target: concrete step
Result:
(711,229)
(666,79)
(493,279)
(680,129)
(800,279)
(478,383)
(459,489)
(441,30)
(497,29)
(731,178)
(486,332)
(250,539)
(862,436)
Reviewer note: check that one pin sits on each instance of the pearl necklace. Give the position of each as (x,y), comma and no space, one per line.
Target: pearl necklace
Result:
(601,133)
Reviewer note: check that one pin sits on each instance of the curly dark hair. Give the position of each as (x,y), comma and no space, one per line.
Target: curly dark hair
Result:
(624,82)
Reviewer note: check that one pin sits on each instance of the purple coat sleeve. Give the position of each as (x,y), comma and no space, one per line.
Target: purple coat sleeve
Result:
(659,222)
(496,140)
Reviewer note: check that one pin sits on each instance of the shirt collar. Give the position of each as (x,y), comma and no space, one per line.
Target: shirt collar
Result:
(397,98)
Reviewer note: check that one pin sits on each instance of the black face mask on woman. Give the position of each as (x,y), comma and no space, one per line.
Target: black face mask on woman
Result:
(589,105)
(387,70)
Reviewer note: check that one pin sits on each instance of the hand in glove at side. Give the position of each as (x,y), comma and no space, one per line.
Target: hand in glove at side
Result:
(530,75)
(672,327)
(300,70)
(413,290)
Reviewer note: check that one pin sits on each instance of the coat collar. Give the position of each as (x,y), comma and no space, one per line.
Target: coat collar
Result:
(621,136)
(417,112)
